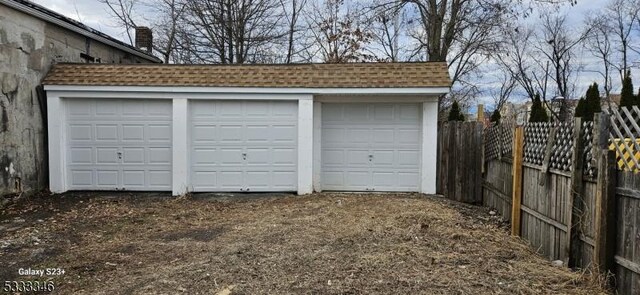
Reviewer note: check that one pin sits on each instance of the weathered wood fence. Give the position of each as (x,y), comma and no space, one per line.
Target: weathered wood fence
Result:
(571,190)
(460,161)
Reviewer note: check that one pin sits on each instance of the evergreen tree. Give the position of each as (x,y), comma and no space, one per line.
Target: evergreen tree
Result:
(627,99)
(496,116)
(592,102)
(455,114)
(538,113)
(581,108)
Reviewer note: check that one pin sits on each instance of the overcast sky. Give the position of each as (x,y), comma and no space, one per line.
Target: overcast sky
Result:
(96,15)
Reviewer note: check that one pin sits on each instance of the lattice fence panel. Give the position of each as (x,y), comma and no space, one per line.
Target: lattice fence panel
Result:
(562,149)
(498,141)
(536,136)
(507,140)
(492,143)
(624,137)
(587,139)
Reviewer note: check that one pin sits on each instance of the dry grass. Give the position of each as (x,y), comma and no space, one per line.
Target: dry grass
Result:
(320,244)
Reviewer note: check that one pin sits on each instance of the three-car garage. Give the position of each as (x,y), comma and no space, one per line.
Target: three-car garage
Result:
(302,128)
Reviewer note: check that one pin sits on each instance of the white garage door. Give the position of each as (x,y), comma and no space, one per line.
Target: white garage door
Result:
(244,145)
(115,144)
(372,146)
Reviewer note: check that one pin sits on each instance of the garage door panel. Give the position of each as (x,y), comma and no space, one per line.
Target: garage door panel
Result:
(121,140)
(408,158)
(383,158)
(333,135)
(107,155)
(230,133)
(231,180)
(241,142)
(109,178)
(409,136)
(160,156)
(133,155)
(81,178)
(284,156)
(357,158)
(392,141)
(134,179)
(283,134)
(81,155)
(383,135)
(80,132)
(159,133)
(231,156)
(203,133)
(205,156)
(160,179)
(333,157)
(358,135)
(107,132)
(204,180)
(383,113)
(133,133)
(107,108)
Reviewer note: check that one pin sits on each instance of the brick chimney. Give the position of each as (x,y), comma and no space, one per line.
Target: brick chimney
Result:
(144,39)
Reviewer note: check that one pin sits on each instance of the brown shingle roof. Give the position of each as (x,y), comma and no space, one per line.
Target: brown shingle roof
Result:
(360,75)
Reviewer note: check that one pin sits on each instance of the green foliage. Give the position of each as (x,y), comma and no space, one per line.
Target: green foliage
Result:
(590,105)
(496,116)
(581,108)
(538,113)
(627,99)
(455,114)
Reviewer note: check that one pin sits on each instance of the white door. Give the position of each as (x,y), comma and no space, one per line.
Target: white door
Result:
(115,144)
(371,147)
(244,145)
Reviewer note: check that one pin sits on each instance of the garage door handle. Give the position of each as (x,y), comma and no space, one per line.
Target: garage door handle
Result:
(119,155)
(370,157)
(244,156)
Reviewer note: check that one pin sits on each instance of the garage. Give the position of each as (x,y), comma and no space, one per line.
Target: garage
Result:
(115,144)
(244,145)
(371,147)
(300,128)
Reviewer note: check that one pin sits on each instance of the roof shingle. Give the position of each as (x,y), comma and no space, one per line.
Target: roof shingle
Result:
(355,75)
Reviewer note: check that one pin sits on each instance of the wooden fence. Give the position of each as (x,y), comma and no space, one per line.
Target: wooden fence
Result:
(570,191)
(460,161)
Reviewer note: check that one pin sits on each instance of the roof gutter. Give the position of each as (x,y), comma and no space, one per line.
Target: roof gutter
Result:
(53,20)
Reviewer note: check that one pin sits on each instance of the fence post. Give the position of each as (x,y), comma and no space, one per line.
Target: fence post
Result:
(605,212)
(575,201)
(518,152)
(605,201)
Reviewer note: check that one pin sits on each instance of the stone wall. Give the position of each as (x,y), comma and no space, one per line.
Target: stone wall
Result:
(28,48)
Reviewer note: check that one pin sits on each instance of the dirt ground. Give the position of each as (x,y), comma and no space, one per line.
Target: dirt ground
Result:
(262,244)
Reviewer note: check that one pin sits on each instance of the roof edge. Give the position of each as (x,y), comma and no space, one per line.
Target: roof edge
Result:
(253,90)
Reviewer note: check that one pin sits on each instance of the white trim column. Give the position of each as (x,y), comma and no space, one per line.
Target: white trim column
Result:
(305,145)
(429,147)
(55,129)
(317,146)
(180,179)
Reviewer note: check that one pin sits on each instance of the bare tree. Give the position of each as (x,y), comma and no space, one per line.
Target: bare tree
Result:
(339,34)
(600,45)
(623,15)
(123,12)
(502,94)
(557,44)
(293,10)
(388,26)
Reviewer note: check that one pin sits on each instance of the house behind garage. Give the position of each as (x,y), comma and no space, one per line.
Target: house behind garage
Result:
(32,39)
(244,128)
